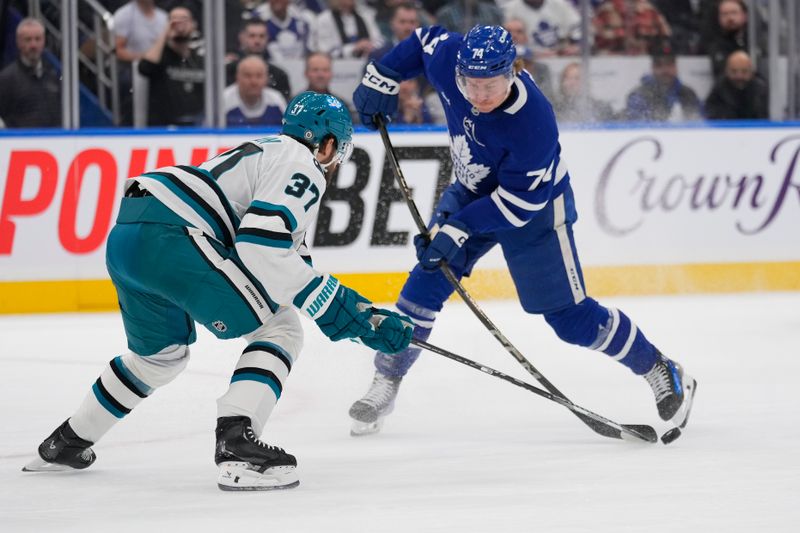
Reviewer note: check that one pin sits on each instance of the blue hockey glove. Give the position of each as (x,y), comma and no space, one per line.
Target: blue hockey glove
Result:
(445,245)
(421,242)
(392,334)
(346,316)
(377,94)
(450,202)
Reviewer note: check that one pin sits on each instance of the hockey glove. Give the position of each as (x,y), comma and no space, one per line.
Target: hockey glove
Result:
(392,333)
(450,202)
(377,94)
(421,242)
(444,246)
(346,316)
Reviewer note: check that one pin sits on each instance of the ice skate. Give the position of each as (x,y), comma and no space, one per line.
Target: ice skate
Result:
(62,451)
(247,463)
(368,412)
(674,390)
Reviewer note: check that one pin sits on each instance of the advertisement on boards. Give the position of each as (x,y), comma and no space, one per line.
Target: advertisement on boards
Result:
(662,197)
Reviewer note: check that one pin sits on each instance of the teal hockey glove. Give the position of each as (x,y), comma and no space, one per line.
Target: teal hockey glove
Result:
(392,333)
(346,316)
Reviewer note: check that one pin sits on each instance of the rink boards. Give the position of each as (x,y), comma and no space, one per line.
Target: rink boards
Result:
(661,210)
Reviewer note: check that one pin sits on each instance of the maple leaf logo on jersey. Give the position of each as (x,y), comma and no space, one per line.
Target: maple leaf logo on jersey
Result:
(468,173)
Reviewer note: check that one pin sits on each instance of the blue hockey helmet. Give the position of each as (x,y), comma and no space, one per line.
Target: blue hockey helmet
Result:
(486,52)
(314,116)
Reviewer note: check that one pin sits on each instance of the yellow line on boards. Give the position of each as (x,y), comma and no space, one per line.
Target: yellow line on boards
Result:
(57,296)
(99,295)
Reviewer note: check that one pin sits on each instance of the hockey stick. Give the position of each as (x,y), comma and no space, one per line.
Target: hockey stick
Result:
(596,425)
(639,432)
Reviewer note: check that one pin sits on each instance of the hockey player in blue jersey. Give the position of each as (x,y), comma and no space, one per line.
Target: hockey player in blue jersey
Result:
(512,188)
(223,244)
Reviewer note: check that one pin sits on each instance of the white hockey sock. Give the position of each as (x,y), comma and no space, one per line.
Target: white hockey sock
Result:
(256,383)
(126,381)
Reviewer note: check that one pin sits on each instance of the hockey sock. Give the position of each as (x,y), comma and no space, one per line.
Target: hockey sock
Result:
(257,383)
(263,368)
(126,381)
(621,339)
(397,365)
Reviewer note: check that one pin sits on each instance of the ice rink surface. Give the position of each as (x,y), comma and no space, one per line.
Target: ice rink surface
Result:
(463,452)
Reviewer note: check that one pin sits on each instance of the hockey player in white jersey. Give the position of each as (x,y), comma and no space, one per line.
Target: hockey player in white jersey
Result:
(222,244)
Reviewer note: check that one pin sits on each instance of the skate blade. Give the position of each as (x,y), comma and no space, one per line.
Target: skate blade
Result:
(235,476)
(362,429)
(681,418)
(40,465)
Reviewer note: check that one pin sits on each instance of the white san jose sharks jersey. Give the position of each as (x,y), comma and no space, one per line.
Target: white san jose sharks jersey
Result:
(508,159)
(259,197)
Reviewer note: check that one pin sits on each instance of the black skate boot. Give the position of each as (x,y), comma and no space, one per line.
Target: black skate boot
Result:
(63,450)
(674,390)
(246,463)
(368,412)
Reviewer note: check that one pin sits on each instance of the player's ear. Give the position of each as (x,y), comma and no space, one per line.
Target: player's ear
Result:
(328,148)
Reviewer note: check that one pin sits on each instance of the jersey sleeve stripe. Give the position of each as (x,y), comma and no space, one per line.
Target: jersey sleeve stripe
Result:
(423,37)
(517,201)
(196,202)
(267,234)
(264,237)
(211,182)
(267,209)
(506,212)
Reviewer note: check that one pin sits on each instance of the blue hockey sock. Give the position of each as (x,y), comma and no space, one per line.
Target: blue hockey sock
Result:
(397,365)
(606,330)
(621,339)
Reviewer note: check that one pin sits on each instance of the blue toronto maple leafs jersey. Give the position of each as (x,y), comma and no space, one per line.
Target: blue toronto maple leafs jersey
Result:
(509,159)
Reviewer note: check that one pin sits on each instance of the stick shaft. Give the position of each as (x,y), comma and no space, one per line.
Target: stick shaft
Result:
(468,299)
(577,409)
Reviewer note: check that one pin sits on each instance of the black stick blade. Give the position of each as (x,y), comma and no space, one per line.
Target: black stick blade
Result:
(643,432)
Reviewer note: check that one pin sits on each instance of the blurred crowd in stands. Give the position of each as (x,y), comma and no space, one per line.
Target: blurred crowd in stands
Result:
(161,42)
